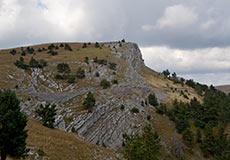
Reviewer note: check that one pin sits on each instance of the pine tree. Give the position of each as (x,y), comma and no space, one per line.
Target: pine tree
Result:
(89,101)
(12,127)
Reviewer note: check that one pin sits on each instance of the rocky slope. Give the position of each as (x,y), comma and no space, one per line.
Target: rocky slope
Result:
(107,122)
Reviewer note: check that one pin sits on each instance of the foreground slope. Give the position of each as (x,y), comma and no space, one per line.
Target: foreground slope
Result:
(107,122)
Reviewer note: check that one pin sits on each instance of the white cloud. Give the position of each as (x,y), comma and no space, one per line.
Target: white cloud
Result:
(206,25)
(200,63)
(177,16)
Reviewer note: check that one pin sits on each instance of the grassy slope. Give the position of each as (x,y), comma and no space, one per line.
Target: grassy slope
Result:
(37,138)
(59,145)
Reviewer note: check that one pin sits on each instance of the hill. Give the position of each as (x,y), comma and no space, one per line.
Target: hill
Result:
(122,107)
(224,88)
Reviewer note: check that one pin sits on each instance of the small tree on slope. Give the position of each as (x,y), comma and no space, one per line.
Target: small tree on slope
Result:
(12,127)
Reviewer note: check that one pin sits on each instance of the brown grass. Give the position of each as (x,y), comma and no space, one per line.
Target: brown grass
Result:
(61,145)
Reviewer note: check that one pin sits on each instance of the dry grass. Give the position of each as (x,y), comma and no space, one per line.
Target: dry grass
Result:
(60,145)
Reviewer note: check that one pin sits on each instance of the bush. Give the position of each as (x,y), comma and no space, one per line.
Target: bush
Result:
(148,117)
(97,45)
(112,66)
(67,47)
(162,109)
(30,50)
(87,60)
(105,84)
(135,110)
(80,73)
(53,53)
(115,81)
(89,101)
(122,107)
(84,45)
(142,147)
(62,77)
(152,99)
(71,79)
(97,74)
(51,47)
(47,113)
(123,40)
(63,67)
(20,64)
(13,52)
(188,138)
(61,45)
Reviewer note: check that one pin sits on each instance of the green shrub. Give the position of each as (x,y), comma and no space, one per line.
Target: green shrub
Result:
(41,153)
(105,84)
(80,73)
(152,99)
(47,113)
(97,74)
(71,79)
(97,45)
(112,65)
(67,47)
(84,45)
(122,107)
(148,117)
(188,138)
(89,101)
(61,45)
(115,81)
(162,109)
(13,52)
(63,67)
(135,110)
(142,147)
(52,52)
(51,47)
(87,60)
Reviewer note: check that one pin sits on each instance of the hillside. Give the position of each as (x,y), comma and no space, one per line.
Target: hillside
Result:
(224,88)
(131,82)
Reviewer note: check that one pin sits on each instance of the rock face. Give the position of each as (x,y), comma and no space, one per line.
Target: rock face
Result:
(107,122)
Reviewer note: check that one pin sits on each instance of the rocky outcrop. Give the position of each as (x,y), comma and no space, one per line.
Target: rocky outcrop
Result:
(107,122)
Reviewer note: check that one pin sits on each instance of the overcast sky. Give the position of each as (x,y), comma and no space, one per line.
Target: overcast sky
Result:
(189,37)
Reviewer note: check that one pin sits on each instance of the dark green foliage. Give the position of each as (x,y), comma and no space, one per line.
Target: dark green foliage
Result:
(37,64)
(12,127)
(161,109)
(13,52)
(95,60)
(123,40)
(142,147)
(188,138)
(180,115)
(20,64)
(198,136)
(148,117)
(34,63)
(209,143)
(40,49)
(71,79)
(112,65)
(89,101)
(102,61)
(97,45)
(152,99)
(89,43)
(166,73)
(105,84)
(87,60)
(97,74)
(115,81)
(84,45)
(63,76)
(122,107)
(67,47)
(63,67)
(30,50)
(61,45)
(190,83)
(52,52)
(80,73)
(135,110)
(51,47)
(47,113)
(41,153)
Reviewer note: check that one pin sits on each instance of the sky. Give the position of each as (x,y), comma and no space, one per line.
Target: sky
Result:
(189,37)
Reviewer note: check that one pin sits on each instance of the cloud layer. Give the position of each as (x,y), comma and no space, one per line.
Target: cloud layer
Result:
(189,37)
